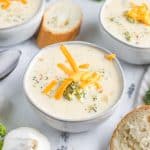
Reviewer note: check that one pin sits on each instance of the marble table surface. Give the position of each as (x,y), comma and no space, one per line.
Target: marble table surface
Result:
(18,112)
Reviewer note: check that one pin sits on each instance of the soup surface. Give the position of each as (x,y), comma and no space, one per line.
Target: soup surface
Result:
(100,91)
(16,12)
(129,22)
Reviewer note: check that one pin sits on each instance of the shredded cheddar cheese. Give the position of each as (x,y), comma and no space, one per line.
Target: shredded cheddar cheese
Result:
(61,89)
(65,69)
(139,13)
(92,79)
(86,75)
(49,87)
(7,3)
(69,58)
(76,77)
(24,1)
(110,56)
(84,66)
(98,86)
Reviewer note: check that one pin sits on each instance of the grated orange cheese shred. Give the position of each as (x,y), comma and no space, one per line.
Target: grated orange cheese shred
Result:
(84,66)
(62,88)
(7,3)
(76,77)
(98,86)
(92,79)
(24,1)
(49,87)
(139,13)
(65,69)
(69,58)
(110,56)
(86,75)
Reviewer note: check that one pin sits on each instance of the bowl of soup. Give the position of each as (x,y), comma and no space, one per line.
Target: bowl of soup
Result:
(126,26)
(74,86)
(19,20)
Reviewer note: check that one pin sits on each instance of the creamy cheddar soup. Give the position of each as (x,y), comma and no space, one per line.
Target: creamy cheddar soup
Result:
(128,21)
(73,81)
(16,12)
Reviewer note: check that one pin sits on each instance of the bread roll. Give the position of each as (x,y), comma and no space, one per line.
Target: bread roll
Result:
(61,22)
(133,132)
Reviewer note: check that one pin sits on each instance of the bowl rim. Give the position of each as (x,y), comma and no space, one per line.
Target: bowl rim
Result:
(137,48)
(39,10)
(98,115)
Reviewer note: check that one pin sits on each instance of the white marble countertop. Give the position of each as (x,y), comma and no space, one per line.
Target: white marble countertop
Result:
(19,113)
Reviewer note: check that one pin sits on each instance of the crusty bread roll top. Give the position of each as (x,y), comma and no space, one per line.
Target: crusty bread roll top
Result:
(133,132)
(61,22)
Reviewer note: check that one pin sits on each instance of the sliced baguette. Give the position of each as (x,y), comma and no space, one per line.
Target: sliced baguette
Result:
(133,132)
(61,22)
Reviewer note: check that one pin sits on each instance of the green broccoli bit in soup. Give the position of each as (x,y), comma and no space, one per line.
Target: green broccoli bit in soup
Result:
(92,108)
(80,93)
(112,19)
(70,91)
(130,20)
(127,36)
(147,98)
(74,90)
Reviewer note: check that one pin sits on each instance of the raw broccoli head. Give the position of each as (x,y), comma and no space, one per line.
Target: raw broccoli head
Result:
(3,130)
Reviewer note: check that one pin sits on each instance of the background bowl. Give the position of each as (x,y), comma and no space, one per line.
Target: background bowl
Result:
(128,53)
(19,33)
(83,124)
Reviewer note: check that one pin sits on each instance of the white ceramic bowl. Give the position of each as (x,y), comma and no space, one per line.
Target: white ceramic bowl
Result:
(19,33)
(77,125)
(126,52)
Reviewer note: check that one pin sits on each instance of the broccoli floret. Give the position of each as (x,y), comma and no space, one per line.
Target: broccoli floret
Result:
(74,90)
(3,130)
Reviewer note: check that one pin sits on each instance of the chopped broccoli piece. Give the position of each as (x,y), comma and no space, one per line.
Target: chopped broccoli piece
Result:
(74,90)
(3,132)
(127,36)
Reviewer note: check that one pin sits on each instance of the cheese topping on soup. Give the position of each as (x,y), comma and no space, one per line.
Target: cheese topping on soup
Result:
(73,81)
(130,22)
(16,12)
